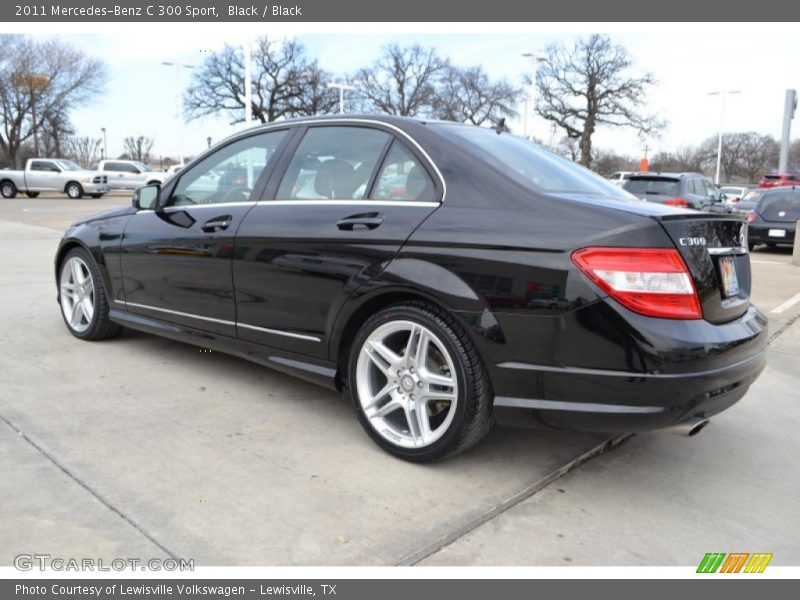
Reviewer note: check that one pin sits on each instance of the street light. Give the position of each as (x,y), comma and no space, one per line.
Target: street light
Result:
(536,58)
(178,69)
(208,139)
(721,94)
(105,143)
(341,87)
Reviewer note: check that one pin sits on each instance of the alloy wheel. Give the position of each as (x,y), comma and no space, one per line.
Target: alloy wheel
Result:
(77,294)
(406,383)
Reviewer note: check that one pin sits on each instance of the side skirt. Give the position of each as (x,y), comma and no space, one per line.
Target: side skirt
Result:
(320,372)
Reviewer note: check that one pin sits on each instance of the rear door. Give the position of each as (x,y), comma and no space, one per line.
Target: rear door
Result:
(342,204)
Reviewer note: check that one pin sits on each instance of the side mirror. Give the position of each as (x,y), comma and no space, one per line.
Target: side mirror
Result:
(723,197)
(146,198)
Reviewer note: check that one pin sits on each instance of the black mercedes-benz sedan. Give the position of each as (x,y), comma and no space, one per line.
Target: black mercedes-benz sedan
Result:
(443,276)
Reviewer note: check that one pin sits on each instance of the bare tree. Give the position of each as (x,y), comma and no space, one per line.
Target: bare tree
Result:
(84,150)
(40,83)
(402,81)
(607,161)
(684,159)
(467,95)
(284,84)
(568,148)
(138,148)
(56,128)
(587,85)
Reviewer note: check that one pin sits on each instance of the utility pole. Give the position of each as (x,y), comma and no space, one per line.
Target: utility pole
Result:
(341,87)
(179,101)
(721,94)
(105,143)
(789,106)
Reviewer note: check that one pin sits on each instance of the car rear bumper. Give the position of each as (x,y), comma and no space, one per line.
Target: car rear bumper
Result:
(710,372)
(760,233)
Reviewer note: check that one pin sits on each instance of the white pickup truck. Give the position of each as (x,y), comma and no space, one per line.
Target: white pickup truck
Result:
(52,175)
(129,174)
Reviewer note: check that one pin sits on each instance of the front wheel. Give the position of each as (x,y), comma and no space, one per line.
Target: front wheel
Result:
(83,300)
(417,384)
(8,189)
(74,190)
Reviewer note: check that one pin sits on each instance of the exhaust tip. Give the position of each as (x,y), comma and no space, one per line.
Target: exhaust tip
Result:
(689,427)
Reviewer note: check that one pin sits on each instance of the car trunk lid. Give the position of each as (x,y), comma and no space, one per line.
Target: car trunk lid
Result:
(715,251)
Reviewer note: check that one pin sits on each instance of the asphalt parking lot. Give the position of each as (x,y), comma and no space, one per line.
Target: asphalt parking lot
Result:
(144,447)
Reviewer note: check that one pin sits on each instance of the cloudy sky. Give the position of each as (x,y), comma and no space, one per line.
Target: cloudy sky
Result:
(689,61)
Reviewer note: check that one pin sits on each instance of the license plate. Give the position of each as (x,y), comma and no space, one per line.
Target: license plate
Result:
(730,281)
(777,233)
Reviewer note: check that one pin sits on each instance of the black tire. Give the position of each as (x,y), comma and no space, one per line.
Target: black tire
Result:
(751,245)
(32,194)
(100,327)
(97,195)
(74,190)
(8,189)
(771,245)
(472,419)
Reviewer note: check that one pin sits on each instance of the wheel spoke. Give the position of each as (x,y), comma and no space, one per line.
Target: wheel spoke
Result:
(77,275)
(388,408)
(88,309)
(386,353)
(77,314)
(436,379)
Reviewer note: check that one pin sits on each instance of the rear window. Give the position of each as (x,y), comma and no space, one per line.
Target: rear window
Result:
(653,185)
(786,202)
(528,163)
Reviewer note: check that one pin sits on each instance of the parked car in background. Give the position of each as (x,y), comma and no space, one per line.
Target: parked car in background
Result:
(686,190)
(172,171)
(732,193)
(129,174)
(620,177)
(52,175)
(442,276)
(774,219)
(776,179)
(748,201)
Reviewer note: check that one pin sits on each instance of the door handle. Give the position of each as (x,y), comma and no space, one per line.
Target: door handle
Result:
(361,221)
(217,224)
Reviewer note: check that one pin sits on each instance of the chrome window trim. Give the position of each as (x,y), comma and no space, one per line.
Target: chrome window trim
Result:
(299,336)
(323,202)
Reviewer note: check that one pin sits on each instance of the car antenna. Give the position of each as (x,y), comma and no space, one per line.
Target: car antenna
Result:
(501,126)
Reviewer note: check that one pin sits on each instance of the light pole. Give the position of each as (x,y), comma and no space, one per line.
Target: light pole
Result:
(105,143)
(536,58)
(721,94)
(208,139)
(178,69)
(341,87)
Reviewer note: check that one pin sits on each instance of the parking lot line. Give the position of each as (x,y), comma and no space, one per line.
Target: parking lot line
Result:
(786,305)
(767,262)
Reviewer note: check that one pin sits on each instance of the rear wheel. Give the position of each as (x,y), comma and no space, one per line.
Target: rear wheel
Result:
(771,245)
(751,245)
(83,300)
(32,194)
(74,190)
(417,384)
(8,189)
(97,195)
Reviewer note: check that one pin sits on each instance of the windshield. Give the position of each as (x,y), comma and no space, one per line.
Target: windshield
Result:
(752,196)
(141,166)
(529,163)
(653,185)
(68,165)
(731,191)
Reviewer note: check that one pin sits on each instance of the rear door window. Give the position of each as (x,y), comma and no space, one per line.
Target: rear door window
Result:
(402,177)
(333,163)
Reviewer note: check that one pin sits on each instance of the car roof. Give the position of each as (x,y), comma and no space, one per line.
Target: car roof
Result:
(651,174)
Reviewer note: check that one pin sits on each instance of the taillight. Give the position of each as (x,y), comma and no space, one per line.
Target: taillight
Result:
(751,216)
(650,281)
(677,202)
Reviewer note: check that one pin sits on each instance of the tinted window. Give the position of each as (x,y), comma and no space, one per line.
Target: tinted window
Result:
(43,165)
(333,163)
(653,185)
(528,163)
(772,205)
(113,166)
(403,178)
(229,174)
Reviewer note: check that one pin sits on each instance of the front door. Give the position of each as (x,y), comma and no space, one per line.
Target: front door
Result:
(176,261)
